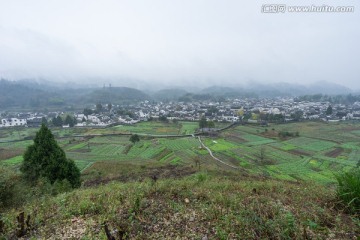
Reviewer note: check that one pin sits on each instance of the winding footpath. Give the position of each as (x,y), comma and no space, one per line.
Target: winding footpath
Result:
(212,155)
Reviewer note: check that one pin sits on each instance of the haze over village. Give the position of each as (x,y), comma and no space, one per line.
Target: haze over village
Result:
(278,110)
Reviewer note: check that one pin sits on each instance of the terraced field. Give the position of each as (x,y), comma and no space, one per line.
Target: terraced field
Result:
(314,156)
(150,128)
(188,127)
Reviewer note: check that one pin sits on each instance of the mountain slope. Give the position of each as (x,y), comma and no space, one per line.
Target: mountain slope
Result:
(169,94)
(116,95)
(201,206)
(13,94)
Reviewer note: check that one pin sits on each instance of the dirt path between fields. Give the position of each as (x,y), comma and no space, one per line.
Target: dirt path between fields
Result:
(212,155)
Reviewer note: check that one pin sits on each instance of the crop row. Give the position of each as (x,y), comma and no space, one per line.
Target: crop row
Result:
(179,144)
(311,144)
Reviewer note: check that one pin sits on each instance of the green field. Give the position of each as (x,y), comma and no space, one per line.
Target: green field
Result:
(320,151)
(280,188)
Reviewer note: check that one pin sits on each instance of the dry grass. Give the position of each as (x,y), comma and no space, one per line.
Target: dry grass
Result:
(195,207)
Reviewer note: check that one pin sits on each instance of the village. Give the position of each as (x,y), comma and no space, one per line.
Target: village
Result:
(251,110)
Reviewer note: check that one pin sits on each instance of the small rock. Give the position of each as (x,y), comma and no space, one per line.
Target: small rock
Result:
(187,200)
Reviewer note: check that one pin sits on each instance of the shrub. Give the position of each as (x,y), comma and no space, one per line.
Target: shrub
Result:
(7,185)
(134,138)
(13,191)
(348,190)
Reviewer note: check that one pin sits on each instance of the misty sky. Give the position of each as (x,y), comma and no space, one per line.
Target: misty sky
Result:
(178,41)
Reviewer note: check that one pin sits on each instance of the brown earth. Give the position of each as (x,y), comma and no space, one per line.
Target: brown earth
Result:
(299,152)
(163,172)
(334,153)
(7,153)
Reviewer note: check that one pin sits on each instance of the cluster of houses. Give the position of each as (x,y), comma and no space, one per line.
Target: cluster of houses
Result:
(251,110)
(22,119)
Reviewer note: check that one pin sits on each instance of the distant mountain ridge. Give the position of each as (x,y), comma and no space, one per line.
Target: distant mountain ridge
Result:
(21,94)
(32,94)
(277,89)
(116,94)
(13,94)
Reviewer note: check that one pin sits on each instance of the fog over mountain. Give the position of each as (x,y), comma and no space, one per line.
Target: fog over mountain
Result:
(183,44)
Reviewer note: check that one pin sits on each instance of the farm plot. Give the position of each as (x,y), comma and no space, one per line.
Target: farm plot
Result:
(180,143)
(12,161)
(77,146)
(11,134)
(107,149)
(327,131)
(335,160)
(310,144)
(254,140)
(351,145)
(186,154)
(82,164)
(76,156)
(150,128)
(151,152)
(287,147)
(303,171)
(171,158)
(110,139)
(9,153)
(291,148)
(246,152)
(18,145)
(188,127)
(251,129)
(281,156)
(334,153)
(219,144)
(354,156)
(356,132)
(145,150)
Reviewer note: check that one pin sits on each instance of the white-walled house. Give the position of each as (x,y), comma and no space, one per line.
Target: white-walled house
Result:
(80,117)
(12,122)
(93,119)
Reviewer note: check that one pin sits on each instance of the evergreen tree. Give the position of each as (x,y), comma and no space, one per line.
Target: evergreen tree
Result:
(203,122)
(57,121)
(70,121)
(329,110)
(45,159)
(99,108)
(134,138)
(44,121)
(87,112)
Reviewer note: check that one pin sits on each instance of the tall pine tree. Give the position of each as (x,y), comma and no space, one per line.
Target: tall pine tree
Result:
(45,159)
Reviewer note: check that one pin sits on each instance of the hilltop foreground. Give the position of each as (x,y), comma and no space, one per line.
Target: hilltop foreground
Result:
(201,206)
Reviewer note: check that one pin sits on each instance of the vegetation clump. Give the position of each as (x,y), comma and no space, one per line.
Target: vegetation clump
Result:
(285,134)
(134,138)
(348,190)
(45,159)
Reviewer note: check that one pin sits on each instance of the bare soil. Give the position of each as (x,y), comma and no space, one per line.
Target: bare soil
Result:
(334,153)
(299,152)
(7,153)
(163,172)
